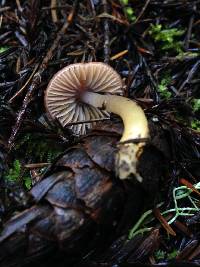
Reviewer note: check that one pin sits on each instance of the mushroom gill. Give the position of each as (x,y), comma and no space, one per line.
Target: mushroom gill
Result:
(64,92)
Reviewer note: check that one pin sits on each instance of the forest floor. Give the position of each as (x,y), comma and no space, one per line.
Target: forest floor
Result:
(155,46)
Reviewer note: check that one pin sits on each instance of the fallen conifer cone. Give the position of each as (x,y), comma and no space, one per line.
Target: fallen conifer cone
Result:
(80,197)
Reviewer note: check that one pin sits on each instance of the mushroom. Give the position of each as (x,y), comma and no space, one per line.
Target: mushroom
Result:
(88,91)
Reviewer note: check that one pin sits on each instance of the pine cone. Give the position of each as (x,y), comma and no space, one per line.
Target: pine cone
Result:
(78,198)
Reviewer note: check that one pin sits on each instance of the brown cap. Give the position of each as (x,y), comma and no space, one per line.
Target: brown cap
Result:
(62,98)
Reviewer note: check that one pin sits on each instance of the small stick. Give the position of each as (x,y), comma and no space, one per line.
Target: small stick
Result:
(24,86)
(195,253)
(92,7)
(120,54)
(187,250)
(106,34)
(190,75)
(152,79)
(55,7)
(136,141)
(189,185)
(36,165)
(19,5)
(3,9)
(1,19)
(27,100)
(142,11)
(54,11)
(183,228)
(163,222)
(189,31)
(86,121)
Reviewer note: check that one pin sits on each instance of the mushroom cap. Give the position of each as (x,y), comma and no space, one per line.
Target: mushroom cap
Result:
(62,97)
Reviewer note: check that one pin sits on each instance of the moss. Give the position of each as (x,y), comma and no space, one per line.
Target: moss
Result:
(163,87)
(38,149)
(14,174)
(195,124)
(167,39)
(31,148)
(3,49)
(196,104)
(161,255)
(128,10)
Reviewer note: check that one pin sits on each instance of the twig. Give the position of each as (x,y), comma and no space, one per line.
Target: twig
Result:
(190,75)
(106,34)
(86,121)
(1,19)
(120,54)
(54,11)
(189,31)
(142,11)
(136,141)
(152,79)
(21,114)
(189,185)
(187,250)
(24,86)
(195,253)
(3,9)
(37,77)
(92,7)
(183,228)
(163,222)
(55,7)
(36,165)
(19,5)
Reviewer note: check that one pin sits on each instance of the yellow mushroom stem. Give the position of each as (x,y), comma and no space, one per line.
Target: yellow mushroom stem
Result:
(135,128)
